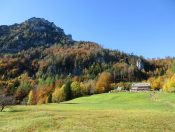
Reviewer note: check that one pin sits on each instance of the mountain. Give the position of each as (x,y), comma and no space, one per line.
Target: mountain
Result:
(37,56)
(40,48)
(33,32)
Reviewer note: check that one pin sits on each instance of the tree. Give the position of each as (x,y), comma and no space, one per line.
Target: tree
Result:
(58,95)
(88,87)
(169,86)
(67,90)
(75,89)
(24,88)
(43,93)
(22,91)
(6,101)
(49,98)
(103,83)
(32,97)
(156,83)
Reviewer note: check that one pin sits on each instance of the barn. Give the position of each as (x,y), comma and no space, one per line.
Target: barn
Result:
(140,87)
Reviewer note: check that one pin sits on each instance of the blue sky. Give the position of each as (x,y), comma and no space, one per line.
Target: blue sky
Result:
(142,27)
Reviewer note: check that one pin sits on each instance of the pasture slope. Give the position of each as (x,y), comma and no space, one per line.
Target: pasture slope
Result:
(97,113)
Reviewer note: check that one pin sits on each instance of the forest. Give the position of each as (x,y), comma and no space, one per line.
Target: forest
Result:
(52,67)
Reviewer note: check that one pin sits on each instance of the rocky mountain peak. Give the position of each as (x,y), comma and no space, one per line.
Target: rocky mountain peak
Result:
(33,32)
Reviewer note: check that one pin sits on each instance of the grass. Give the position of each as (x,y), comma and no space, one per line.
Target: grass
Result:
(97,113)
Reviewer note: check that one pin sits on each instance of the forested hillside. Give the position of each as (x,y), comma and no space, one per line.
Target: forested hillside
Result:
(39,63)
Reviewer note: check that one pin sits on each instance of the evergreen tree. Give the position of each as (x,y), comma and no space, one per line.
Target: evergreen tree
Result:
(67,90)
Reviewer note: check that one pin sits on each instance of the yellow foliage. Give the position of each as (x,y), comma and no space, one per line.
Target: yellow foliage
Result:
(103,83)
(30,98)
(58,95)
(43,93)
(84,89)
(157,83)
(169,86)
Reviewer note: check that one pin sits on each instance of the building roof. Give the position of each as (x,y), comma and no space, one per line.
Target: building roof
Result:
(140,84)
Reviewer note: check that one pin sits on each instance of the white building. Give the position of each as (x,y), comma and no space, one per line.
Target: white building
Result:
(139,64)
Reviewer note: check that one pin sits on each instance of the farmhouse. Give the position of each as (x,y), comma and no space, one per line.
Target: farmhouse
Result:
(140,87)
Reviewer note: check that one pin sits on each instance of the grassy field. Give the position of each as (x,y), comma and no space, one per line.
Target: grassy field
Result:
(98,113)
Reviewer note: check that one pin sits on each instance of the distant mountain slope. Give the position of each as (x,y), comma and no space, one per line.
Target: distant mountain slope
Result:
(38,57)
(33,32)
(85,59)
(42,49)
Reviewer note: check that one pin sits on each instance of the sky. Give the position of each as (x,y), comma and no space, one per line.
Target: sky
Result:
(141,27)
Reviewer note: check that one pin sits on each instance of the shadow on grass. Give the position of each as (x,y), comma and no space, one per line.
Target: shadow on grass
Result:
(15,110)
(11,109)
(69,103)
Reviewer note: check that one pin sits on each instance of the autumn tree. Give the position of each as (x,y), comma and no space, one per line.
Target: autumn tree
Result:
(88,87)
(75,89)
(103,82)
(157,83)
(43,93)
(24,87)
(169,86)
(32,97)
(58,95)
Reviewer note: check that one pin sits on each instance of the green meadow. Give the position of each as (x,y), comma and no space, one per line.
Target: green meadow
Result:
(108,112)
